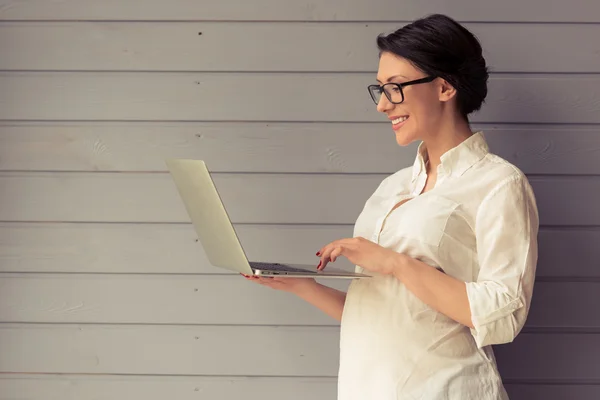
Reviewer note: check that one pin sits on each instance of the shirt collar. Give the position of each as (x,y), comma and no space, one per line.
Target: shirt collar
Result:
(456,160)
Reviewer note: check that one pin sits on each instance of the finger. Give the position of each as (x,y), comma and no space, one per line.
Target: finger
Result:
(326,258)
(336,253)
(320,253)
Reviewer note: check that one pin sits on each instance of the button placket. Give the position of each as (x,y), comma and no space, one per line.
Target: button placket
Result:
(381,221)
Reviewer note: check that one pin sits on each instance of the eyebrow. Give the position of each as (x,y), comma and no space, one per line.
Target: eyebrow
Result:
(394,77)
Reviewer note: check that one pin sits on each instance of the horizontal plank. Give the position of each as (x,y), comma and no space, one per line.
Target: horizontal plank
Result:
(273,46)
(551,391)
(250,351)
(161,248)
(571,253)
(171,350)
(153,197)
(153,300)
(226,300)
(114,387)
(249,198)
(550,357)
(275,147)
(25,387)
(172,249)
(321,10)
(284,97)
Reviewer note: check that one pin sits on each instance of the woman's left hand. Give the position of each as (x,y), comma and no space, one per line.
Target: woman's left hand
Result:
(361,252)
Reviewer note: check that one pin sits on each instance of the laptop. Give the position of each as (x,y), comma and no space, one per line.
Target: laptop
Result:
(215,231)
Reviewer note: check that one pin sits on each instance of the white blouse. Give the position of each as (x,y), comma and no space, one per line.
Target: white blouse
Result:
(478,224)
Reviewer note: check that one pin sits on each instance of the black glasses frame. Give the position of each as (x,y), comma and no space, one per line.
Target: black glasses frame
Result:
(378,89)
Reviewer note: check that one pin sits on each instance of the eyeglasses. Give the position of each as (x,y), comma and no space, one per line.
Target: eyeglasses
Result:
(393,91)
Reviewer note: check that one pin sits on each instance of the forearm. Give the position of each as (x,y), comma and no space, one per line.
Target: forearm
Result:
(442,292)
(326,299)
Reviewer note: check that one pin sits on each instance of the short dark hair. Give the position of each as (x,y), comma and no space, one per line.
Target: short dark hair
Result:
(440,46)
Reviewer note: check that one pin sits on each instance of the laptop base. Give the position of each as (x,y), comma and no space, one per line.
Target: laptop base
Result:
(300,271)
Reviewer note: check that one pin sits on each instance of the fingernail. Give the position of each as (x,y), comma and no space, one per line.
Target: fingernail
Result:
(318,253)
(320,262)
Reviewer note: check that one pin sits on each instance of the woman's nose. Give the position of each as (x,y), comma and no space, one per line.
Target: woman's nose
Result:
(384,104)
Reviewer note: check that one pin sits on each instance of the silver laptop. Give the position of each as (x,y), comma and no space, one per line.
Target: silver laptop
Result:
(217,234)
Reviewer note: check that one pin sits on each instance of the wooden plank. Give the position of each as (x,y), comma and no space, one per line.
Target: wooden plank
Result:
(153,197)
(550,356)
(216,300)
(565,305)
(250,351)
(172,249)
(572,253)
(342,47)
(163,249)
(552,391)
(155,299)
(321,10)
(267,198)
(24,387)
(114,387)
(178,350)
(275,147)
(284,97)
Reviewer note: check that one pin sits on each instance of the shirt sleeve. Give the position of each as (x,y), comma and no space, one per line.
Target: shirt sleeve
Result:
(506,229)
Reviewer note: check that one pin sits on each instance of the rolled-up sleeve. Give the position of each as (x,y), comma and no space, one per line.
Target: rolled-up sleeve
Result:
(506,230)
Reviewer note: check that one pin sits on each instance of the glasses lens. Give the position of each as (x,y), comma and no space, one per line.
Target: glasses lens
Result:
(393,92)
(375,92)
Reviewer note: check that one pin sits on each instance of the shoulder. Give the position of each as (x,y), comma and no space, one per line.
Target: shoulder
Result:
(496,173)
(505,184)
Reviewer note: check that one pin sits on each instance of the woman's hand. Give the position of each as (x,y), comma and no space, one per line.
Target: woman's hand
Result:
(292,285)
(359,251)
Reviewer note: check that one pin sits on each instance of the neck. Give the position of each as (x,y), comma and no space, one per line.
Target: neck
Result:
(446,137)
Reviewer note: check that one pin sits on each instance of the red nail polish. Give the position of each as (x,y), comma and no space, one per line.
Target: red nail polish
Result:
(318,253)
(320,262)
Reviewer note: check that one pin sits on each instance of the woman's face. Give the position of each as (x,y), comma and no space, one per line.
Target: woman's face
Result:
(420,113)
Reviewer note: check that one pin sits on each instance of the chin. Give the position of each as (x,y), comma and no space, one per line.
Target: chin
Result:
(405,138)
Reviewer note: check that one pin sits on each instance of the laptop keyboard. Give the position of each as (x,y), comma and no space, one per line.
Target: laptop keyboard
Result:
(277,267)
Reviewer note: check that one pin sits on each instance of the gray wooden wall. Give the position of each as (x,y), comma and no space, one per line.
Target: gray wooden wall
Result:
(104,291)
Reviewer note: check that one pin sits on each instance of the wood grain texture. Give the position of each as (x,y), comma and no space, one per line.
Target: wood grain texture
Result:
(241,350)
(249,198)
(283,97)
(153,300)
(275,147)
(25,387)
(321,10)
(198,46)
(112,387)
(177,350)
(226,300)
(173,249)
(161,249)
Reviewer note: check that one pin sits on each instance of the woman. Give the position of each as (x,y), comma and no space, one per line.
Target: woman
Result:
(450,242)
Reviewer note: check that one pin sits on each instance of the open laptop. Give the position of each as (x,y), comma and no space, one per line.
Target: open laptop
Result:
(217,234)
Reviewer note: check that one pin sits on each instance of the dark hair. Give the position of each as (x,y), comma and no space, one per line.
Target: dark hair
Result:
(440,46)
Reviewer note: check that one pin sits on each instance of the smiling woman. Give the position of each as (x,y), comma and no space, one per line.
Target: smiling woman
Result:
(450,242)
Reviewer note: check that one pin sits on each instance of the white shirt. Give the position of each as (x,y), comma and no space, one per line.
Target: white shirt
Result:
(478,224)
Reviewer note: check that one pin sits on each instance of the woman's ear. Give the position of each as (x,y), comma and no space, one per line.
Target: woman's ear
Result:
(446,90)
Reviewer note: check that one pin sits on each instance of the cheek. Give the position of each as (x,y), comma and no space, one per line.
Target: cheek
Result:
(426,111)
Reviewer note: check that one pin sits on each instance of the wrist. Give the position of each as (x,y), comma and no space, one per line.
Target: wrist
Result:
(398,265)
(305,286)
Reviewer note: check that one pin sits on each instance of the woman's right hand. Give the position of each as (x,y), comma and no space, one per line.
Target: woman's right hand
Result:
(291,285)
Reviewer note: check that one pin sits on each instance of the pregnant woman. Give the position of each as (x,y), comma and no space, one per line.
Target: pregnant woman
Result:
(450,242)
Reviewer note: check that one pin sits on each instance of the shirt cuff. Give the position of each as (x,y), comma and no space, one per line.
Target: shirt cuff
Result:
(493,313)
